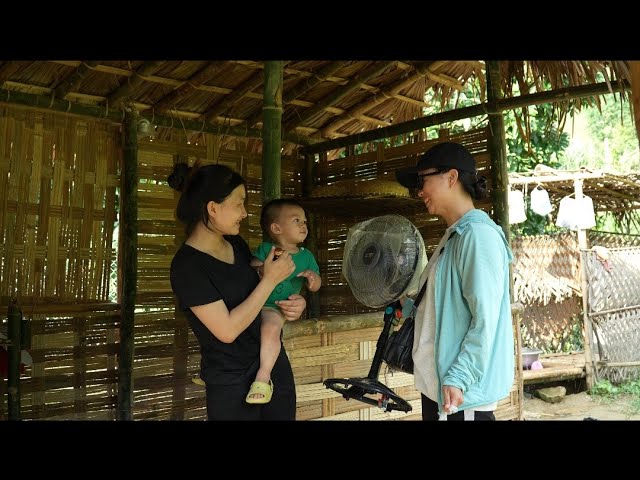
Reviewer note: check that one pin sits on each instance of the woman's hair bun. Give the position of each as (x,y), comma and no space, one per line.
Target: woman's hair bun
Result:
(178,178)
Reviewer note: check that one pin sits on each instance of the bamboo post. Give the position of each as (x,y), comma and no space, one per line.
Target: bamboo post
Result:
(181,336)
(129,258)
(587,330)
(498,151)
(14,320)
(272,130)
(313,308)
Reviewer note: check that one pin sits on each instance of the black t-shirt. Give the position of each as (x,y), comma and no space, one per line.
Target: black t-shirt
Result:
(197,278)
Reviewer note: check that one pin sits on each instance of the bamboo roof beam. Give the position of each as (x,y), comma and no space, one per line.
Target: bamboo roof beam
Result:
(73,80)
(380,97)
(372,71)
(305,73)
(192,83)
(613,193)
(176,84)
(300,89)
(141,107)
(116,115)
(560,177)
(133,82)
(255,81)
(616,178)
(557,95)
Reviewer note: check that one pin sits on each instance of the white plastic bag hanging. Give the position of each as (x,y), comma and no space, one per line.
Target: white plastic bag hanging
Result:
(517,212)
(540,202)
(576,213)
(567,217)
(586,215)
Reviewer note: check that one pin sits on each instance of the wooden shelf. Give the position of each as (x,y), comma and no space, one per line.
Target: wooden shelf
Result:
(556,367)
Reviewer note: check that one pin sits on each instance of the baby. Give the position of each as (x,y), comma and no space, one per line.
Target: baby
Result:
(285,222)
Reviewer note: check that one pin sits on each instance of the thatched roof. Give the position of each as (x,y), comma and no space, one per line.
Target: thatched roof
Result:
(322,99)
(610,192)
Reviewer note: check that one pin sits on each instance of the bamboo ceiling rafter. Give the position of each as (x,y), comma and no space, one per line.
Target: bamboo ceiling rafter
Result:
(300,89)
(73,80)
(325,104)
(340,81)
(133,82)
(179,84)
(254,82)
(192,83)
(370,72)
(378,98)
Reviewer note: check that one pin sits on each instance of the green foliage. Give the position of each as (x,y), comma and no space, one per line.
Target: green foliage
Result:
(574,340)
(607,391)
(546,142)
(546,145)
(609,142)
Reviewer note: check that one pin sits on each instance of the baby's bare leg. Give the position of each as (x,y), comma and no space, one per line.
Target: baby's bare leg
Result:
(272,322)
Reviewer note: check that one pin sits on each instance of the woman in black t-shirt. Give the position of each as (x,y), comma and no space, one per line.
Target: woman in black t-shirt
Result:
(221,294)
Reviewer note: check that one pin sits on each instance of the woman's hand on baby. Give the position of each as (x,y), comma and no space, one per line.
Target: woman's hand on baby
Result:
(313,279)
(278,270)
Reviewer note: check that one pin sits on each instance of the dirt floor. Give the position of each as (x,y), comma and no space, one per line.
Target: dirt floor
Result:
(579,406)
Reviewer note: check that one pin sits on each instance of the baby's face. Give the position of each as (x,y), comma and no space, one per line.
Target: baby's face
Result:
(293,224)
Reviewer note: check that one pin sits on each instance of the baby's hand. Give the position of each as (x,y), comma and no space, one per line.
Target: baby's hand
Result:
(313,280)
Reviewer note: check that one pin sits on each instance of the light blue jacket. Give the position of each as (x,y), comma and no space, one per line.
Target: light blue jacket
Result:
(474,336)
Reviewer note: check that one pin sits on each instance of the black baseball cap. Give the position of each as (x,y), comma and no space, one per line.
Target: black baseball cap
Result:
(442,155)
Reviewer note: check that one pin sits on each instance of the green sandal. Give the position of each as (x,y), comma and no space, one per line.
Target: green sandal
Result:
(260,388)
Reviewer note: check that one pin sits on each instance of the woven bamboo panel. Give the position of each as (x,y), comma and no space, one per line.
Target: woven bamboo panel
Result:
(614,308)
(552,326)
(58,181)
(545,268)
(546,275)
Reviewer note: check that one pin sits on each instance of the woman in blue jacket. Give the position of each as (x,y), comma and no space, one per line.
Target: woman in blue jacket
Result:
(463,346)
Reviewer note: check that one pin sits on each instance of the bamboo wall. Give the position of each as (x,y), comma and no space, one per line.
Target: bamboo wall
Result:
(613,294)
(58,187)
(547,281)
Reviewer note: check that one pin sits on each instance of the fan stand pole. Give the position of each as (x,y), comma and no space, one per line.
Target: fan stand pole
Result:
(389,323)
(359,388)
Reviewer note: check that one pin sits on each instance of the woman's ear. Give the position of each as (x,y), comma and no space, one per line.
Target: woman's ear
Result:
(212,208)
(453,176)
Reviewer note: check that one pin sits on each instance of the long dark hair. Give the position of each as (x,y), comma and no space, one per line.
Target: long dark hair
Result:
(199,186)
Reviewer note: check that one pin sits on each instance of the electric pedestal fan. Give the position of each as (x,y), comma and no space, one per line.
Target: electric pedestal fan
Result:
(383,259)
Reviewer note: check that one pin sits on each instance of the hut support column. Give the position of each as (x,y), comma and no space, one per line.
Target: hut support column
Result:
(307,186)
(272,130)
(498,150)
(587,332)
(129,262)
(14,321)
